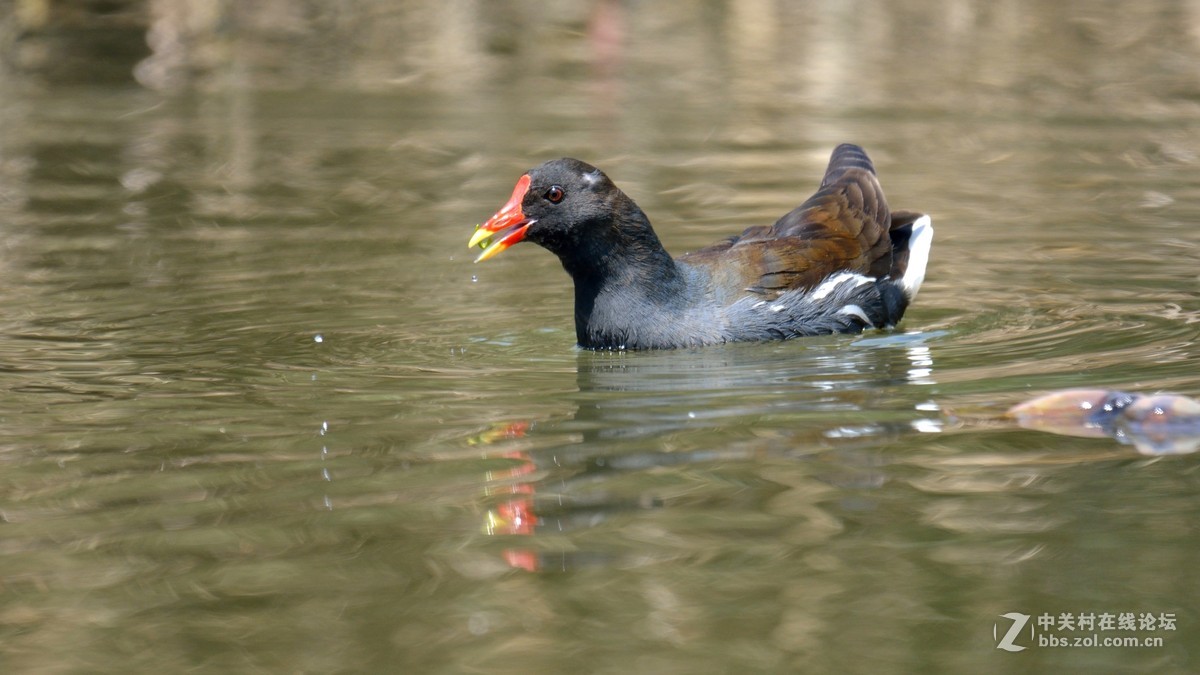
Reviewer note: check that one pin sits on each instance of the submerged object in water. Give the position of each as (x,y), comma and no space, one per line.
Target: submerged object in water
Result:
(1155,424)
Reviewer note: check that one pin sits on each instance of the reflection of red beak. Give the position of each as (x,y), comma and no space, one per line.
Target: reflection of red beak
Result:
(503,432)
(523,559)
(509,224)
(514,516)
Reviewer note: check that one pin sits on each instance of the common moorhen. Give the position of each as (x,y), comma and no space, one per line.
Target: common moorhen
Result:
(839,263)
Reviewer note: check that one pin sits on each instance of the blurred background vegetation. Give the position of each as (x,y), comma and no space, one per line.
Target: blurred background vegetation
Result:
(965,47)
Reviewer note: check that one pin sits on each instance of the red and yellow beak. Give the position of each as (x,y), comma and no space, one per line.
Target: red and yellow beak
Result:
(508,226)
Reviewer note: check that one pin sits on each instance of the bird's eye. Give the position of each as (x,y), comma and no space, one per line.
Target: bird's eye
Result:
(555,194)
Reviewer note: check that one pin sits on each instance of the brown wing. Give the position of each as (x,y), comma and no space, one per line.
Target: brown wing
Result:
(843,227)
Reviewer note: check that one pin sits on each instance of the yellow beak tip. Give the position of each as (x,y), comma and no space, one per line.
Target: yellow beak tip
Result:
(480,237)
(489,252)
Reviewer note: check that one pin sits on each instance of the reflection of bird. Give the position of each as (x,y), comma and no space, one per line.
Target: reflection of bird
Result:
(839,263)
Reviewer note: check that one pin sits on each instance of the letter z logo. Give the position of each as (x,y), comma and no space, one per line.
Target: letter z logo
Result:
(1006,643)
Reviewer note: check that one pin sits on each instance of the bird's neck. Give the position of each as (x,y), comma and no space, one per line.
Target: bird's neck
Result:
(624,284)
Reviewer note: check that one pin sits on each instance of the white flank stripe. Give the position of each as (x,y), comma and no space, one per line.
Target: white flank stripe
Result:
(830,285)
(855,310)
(918,256)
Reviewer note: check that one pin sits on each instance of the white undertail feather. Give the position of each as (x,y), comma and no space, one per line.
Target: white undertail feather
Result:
(918,256)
